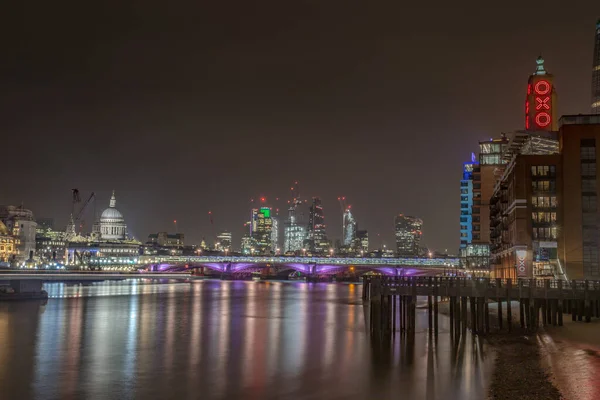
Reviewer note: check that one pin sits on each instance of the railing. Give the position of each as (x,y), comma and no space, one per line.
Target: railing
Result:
(405,261)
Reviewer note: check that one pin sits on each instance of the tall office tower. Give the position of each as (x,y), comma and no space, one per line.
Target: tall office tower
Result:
(408,235)
(596,73)
(261,226)
(362,242)
(275,235)
(316,241)
(466,203)
(293,233)
(348,228)
(540,103)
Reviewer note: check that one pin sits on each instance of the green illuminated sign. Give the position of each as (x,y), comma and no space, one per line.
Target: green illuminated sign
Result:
(266,211)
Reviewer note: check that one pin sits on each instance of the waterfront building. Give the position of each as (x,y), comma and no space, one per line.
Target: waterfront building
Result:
(112,224)
(223,241)
(21,224)
(596,72)
(316,241)
(8,245)
(524,213)
(578,208)
(117,255)
(51,245)
(408,235)
(522,209)
(165,239)
(466,203)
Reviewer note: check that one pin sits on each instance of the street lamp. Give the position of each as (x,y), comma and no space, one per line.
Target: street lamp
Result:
(330,252)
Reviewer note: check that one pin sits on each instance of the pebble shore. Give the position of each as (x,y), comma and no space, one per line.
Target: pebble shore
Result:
(518,372)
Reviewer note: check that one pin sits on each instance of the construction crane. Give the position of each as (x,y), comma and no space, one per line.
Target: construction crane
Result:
(75,218)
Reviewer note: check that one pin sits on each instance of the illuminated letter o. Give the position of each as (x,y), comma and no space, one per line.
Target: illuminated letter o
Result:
(542,87)
(542,119)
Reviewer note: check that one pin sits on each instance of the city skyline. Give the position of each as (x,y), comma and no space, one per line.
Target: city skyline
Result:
(174,145)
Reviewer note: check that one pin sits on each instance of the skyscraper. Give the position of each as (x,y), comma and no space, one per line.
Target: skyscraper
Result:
(261,226)
(408,235)
(596,73)
(293,233)
(362,242)
(316,241)
(274,234)
(348,228)
(466,203)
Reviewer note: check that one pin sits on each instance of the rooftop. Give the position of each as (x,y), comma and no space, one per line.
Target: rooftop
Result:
(579,119)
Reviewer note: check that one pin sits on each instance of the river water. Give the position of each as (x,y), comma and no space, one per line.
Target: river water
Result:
(141,339)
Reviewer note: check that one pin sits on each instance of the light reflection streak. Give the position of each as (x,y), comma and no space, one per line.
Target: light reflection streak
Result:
(73,347)
(330,308)
(276,320)
(197,314)
(132,339)
(222,323)
(250,338)
(169,329)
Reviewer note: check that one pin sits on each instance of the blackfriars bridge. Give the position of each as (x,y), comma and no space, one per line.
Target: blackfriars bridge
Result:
(312,266)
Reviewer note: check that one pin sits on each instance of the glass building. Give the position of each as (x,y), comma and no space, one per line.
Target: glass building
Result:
(316,241)
(408,235)
(466,203)
(596,73)
(348,228)
(261,225)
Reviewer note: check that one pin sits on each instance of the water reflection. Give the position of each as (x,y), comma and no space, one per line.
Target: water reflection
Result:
(234,340)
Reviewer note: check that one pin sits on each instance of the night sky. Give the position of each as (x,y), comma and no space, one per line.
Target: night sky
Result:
(186,107)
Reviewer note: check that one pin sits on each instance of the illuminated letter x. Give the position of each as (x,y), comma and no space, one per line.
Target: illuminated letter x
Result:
(542,103)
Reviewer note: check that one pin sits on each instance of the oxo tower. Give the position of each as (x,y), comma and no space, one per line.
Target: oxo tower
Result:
(596,73)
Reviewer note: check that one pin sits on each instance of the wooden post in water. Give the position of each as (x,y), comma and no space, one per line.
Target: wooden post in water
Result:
(560,303)
(375,297)
(413,306)
(509,304)
(435,305)
(451,306)
(473,314)
(587,305)
(499,301)
(430,304)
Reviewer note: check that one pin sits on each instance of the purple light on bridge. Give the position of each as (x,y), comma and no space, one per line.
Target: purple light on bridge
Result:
(299,267)
(329,269)
(235,267)
(215,266)
(387,271)
(163,267)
